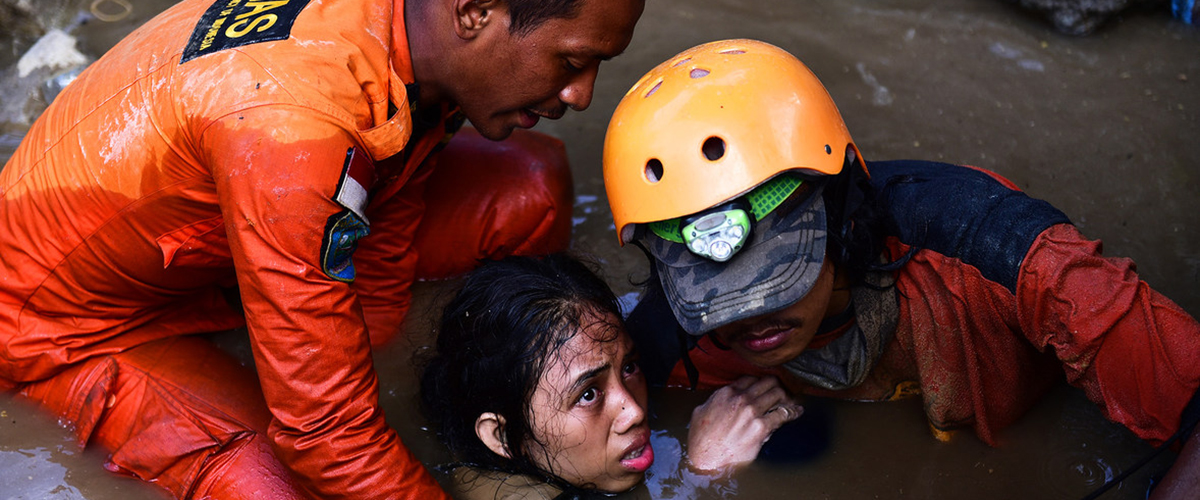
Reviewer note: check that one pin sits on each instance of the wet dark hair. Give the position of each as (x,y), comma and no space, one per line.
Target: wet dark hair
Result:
(493,345)
(527,15)
(856,222)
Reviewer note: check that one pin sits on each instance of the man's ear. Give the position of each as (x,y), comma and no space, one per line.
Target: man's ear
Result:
(489,427)
(471,16)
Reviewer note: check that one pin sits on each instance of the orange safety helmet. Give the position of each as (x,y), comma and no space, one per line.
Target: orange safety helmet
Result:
(713,123)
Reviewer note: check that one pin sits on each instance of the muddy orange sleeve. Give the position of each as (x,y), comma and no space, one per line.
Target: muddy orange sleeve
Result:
(276,170)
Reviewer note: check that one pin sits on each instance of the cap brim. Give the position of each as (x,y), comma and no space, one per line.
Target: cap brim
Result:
(775,269)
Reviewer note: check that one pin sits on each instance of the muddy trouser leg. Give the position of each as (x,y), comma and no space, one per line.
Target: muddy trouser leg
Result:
(474,200)
(488,200)
(179,413)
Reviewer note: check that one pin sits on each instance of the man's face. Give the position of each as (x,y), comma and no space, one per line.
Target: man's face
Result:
(516,79)
(775,338)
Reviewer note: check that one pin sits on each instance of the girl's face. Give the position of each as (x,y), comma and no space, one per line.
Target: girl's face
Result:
(589,410)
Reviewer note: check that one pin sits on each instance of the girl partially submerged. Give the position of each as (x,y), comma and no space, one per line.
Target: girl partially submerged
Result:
(536,387)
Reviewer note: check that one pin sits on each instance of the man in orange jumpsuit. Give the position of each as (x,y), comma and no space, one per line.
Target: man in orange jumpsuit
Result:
(283,147)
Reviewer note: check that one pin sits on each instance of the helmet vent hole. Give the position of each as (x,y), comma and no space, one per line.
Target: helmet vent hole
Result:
(654,89)
(681,61)
(713,148)
(828,150)
(654,170)
(699,73)
(733,52)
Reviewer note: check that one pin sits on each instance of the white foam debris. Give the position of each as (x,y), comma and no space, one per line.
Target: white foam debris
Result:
(55,50)
(881,97)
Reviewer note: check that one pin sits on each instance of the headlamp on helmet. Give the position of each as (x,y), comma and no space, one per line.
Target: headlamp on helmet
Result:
(709,125)
(719,232)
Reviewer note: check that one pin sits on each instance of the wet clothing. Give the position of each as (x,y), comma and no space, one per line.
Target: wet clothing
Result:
(271,147)
(481,484)
(1000,295)
(178,411)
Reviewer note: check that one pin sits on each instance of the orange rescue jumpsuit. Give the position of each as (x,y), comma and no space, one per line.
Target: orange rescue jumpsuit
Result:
(260,144)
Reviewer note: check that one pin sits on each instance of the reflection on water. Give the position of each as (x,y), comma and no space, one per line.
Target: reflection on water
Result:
(33,474)
(1105,127)
(1078,466)
(669,478)
(39,460)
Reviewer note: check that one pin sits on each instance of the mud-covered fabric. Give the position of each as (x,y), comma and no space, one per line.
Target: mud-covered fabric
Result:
(479,484)
(846,361)
(962,213)
(155,182)
(179,413)
(489,200)
(1132,350)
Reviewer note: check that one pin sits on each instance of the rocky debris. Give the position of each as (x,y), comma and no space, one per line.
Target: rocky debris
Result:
(18,28)
(1082,17)
(37,78)
(41,58)
(55,51)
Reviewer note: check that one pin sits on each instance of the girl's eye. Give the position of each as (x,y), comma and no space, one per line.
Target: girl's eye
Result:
(589,396)
(630,368)
(572,67)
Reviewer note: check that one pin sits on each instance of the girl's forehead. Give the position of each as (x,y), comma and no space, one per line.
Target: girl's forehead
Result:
(596,341)
(598,344)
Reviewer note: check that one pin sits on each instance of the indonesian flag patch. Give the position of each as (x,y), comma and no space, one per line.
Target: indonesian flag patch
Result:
(358,174)
(345,228)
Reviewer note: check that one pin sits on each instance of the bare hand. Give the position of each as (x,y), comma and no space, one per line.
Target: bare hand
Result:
(733,424)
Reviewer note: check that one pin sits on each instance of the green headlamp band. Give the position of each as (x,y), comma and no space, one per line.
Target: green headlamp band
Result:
(763,199)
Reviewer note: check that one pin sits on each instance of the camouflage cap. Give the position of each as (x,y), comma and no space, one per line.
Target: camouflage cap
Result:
(776,268)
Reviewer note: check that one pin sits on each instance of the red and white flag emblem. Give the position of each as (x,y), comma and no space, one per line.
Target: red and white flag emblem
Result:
(358,174)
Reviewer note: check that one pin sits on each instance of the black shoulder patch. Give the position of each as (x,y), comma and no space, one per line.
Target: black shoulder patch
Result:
(234,23)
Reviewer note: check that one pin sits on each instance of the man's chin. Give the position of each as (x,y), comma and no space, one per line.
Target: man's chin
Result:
(493,131)
(766,359)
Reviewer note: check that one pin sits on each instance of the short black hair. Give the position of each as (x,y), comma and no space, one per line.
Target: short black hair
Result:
(527,15)
(493,344)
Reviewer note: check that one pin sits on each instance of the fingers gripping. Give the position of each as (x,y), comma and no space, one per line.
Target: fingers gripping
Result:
(731,427)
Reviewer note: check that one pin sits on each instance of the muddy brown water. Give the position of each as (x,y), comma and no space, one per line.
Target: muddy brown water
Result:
(1105,127)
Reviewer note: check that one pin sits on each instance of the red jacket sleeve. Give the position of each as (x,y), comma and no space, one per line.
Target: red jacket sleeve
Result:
(1133,351)
(276,171)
